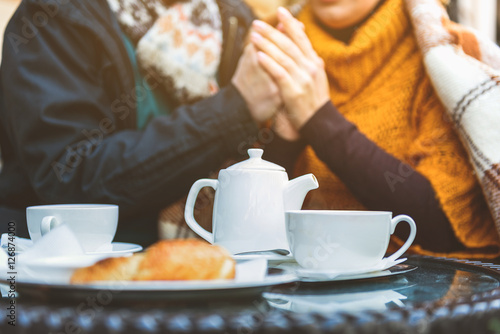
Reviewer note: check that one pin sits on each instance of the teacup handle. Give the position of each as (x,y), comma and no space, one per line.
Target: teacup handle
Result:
(48,223)
(413,232)
(189,210)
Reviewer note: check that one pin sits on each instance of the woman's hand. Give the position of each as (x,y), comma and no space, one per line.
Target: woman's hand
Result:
(290,60)
(258,89)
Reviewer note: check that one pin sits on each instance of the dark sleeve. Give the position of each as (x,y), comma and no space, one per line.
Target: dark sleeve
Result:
(70,137)
(281,151)
(377,179)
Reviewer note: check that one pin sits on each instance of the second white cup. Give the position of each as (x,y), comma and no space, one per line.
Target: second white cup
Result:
(343,240)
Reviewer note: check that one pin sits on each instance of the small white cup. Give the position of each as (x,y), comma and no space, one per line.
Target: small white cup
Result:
(343,240)
(94,225)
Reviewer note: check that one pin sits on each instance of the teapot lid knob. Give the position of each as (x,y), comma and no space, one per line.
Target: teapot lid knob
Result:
(255,153)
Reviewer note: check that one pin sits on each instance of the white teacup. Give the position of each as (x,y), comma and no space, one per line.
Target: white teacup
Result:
(94,225)
(343,240)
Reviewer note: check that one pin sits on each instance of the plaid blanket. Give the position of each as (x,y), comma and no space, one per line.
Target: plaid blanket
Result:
(465,71)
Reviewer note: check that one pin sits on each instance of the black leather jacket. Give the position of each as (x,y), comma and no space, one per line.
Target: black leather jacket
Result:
(68,119)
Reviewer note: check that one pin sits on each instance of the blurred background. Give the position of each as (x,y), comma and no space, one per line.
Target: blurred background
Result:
(483,15)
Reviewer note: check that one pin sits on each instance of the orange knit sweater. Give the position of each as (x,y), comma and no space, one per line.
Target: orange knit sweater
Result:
(379,83)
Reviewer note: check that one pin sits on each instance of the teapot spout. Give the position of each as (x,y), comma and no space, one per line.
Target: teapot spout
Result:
(296,190)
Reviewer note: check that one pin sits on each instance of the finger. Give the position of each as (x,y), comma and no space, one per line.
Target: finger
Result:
(280,40)
(278,73)
(258,70)
(296,30)
(281,28)
(298,76)
(275,53)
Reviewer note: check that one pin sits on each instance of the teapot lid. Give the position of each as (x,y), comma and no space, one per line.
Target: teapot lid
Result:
(256,162)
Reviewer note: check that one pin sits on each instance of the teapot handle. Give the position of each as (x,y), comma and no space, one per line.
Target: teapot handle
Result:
(189,210)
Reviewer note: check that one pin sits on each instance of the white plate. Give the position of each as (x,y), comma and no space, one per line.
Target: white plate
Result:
(252,277)
(56,269)
(120,248)
(381,269)
(156,290)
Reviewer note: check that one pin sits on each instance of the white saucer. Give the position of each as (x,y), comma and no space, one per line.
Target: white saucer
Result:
(314,275)
(269,257)
(120,248)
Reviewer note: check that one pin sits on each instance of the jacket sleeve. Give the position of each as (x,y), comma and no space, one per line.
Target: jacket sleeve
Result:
(67,117)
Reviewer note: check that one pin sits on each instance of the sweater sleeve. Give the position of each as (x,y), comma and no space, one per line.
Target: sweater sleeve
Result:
(367,170)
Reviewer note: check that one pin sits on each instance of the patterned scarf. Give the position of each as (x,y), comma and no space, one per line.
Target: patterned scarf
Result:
(465,71)
(179,41)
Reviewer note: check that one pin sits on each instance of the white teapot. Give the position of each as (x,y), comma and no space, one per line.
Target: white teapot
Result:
(251,198)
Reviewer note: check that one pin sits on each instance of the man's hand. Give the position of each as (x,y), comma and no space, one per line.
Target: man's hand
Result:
(256,86)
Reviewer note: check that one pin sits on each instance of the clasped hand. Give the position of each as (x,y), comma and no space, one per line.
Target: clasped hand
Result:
(282,69)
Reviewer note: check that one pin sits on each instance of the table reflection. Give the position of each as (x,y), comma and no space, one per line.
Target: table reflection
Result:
(344,302)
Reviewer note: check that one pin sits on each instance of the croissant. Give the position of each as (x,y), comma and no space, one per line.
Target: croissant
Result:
(181,259)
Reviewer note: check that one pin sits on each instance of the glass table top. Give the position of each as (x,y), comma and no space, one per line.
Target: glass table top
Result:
(434,283)
(443,295)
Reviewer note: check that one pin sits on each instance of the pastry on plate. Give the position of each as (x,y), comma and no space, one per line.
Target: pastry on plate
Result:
(179,259)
